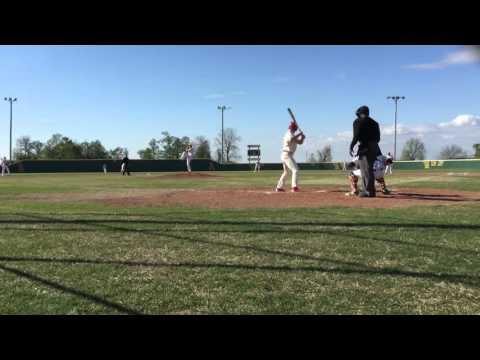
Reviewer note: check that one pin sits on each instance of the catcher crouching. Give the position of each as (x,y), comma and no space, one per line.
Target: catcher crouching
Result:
(379,172)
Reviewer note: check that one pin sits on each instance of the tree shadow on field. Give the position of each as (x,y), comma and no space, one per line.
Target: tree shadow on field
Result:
(353,234)
(429,197)
(68,290)
(343,267)
(418,196)
(339,234)
(38,219)
(465,279)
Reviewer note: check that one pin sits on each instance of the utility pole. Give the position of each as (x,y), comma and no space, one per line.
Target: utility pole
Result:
(395,98)
(11,101)
(222,109)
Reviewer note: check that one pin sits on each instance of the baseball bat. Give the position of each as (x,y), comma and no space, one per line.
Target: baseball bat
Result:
(294,120)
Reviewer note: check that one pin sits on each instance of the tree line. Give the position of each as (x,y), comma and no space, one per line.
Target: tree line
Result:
(60,147)
(171,147)
(415,149)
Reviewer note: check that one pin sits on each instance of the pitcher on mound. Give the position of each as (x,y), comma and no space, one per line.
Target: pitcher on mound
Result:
(290,142)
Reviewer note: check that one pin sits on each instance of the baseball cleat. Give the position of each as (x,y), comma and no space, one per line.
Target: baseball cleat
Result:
(295,189)
(279,190)
(351,193)
(386,192)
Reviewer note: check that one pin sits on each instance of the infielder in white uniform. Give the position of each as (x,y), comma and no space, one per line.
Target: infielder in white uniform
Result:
(388,169)
(257,166)
(5,166)
(290,142)
(378,169)
(188,155)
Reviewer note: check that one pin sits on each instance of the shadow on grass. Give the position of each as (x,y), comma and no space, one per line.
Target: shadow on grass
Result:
(453,278)
(72,291)
(98,223)
(38,219)
(334,233)
(356,268)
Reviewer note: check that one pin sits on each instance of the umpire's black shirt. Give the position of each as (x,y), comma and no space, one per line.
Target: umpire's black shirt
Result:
(365,131)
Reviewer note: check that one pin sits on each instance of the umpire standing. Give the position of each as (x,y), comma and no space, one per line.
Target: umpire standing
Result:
(366,132)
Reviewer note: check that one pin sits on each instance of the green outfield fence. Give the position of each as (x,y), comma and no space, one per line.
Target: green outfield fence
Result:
(44,166)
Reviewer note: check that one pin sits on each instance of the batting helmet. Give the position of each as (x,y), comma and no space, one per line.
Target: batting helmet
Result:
(293,126)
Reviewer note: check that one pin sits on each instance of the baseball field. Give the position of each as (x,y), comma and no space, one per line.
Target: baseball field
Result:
(225,243)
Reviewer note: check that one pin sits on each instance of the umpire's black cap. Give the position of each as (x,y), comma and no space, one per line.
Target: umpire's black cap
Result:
(363,110)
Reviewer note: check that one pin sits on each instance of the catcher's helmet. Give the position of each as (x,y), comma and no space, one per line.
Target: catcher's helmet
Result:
(352,165)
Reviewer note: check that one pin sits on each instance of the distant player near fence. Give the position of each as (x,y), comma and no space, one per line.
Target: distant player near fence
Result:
(5,167)
(124,168)
(388,169)
(257,166)
(188,156)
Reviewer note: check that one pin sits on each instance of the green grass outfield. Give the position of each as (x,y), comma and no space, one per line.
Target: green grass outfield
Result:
(64,257)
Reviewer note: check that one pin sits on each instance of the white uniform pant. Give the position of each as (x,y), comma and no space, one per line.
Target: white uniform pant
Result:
(388,170)
(289,165)
(189,159)
(5,168)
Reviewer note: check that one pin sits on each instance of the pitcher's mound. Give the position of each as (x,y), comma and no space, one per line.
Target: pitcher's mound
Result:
(193,175)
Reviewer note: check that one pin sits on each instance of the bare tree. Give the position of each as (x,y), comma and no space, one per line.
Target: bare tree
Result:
(202,148)
(414,149)
(311,158)
(24,148)
(325,155)
(452,152)
(230,145)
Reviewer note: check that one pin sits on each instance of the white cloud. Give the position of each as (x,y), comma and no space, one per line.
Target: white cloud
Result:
(466,56)
(344,135)
(214,96)
(401,130)
(281,79)
(239,92)
(462,121)
(463,130)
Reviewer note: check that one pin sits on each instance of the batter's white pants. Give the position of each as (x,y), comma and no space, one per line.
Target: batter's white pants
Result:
(5,168)
(188,164)
(388,170)
(289,164)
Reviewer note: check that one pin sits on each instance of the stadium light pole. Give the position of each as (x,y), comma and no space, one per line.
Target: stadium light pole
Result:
(395,98)
(11,101)
(222,109)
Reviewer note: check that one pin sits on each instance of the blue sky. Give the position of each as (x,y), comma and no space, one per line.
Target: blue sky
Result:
(125,95)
